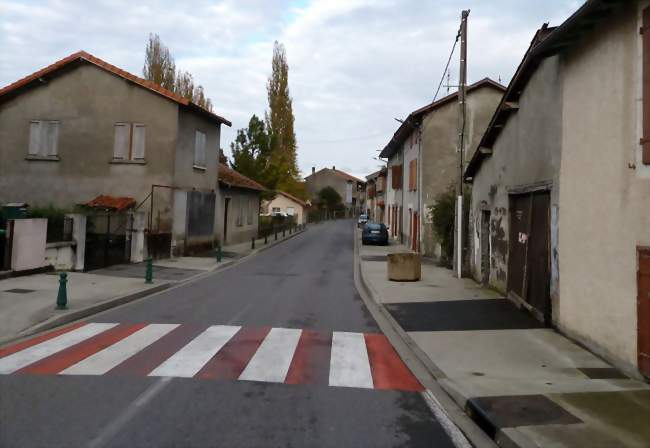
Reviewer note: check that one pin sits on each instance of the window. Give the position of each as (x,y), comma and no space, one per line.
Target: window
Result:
(276,210)
(240,213)
(199,150)
(129,141)
(251,210)
(413,175)
(290,211)
(43,139)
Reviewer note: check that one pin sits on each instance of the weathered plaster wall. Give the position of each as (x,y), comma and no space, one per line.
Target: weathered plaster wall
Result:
(88,102)
(439,160)
(605,204)
(327,177)
(411,201)
(283,203)
(394,197)
(239,199)
(526,153)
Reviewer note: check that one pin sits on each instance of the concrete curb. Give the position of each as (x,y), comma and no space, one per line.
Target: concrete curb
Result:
(114,302)
(420,364)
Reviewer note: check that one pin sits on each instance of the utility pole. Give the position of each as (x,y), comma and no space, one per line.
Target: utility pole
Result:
(462,93)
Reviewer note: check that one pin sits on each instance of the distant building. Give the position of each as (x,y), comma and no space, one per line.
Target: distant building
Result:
(285,204)
(375,189)
(351,189)
(560,212)
(240,206)
(81,128)
(423,161)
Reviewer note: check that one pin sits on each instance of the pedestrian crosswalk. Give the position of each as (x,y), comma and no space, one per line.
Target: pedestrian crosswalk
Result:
(226,352)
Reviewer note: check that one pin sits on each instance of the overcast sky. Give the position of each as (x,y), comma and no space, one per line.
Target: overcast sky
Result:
(355,65)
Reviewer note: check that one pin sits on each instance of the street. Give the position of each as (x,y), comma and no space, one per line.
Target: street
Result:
(222,361)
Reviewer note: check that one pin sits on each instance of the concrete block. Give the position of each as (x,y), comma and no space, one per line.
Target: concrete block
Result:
(404,267)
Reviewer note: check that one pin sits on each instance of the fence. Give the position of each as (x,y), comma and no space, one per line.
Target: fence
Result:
(269,225)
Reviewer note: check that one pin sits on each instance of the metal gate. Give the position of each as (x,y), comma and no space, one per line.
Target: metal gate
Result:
(528,251)
(106,241)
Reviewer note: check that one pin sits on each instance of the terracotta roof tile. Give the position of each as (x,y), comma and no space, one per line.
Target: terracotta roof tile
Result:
(111,203)
(87,57)
(232,178)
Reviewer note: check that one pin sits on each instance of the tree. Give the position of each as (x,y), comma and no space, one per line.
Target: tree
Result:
(280,123)
(251,152)
(159,65)
(330,199)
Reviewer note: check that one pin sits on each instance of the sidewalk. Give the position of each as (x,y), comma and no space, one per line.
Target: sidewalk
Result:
(28,303)
(525,385)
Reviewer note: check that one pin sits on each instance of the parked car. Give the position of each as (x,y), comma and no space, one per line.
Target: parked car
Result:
(363,219)
(374,233)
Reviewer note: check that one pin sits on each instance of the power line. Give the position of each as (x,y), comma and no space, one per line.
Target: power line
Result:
(347,139)
(447,66)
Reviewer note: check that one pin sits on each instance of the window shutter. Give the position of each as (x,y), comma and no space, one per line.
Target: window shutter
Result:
(199,149)
(645,141)
(52,138)
(121,143)
(34,138)
(138,141)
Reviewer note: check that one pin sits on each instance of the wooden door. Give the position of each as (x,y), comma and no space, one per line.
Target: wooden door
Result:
(643,311)
(519,218)
(537,282)
(225,221)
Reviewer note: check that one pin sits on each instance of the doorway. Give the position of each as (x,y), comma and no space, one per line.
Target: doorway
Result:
(225,220)
(528,252)
(643,310)
(485,247)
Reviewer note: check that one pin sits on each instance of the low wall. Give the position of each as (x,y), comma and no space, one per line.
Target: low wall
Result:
(62,256)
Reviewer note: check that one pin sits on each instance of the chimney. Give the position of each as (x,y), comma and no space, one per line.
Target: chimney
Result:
(333,168)
(313,169)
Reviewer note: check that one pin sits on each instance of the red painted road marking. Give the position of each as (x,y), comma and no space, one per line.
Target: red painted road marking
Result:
(232,359)
(70,356)
(151,357)
(311,360)
(388,369)
(6,351)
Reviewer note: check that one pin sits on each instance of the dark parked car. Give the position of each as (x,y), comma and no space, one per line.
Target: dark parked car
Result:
(374,233)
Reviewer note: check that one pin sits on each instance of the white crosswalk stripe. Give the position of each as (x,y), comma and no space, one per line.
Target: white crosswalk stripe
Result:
(349,363)
(104,360)
(18,360)
(273,358)
(189,360)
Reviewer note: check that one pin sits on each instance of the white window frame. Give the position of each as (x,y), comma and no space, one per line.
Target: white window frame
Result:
(134,147)
(200,144)
(44,139)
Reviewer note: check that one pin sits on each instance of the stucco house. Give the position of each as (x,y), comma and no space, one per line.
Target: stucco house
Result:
(351,189)
(375,189)
(239,213)
(81,128)
(423,160)
(286,204)
(560,213)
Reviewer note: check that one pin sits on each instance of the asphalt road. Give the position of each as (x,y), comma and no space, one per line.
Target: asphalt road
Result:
(306,284)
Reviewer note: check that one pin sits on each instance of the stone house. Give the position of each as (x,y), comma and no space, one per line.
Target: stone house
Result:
(81,128)
(239,213)
(560,213)
(286,204)
(423,161)
(351,189)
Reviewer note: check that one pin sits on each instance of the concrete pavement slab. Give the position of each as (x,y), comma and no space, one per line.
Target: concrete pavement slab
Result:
(21,311)
(137,270)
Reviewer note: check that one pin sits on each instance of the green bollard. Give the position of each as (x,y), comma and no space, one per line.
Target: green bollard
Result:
(266,238)
(219,253)
(62,297)
(148,275)
(252,242)
(276,234)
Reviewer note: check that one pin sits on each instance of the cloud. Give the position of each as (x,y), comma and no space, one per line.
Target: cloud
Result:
(355,65)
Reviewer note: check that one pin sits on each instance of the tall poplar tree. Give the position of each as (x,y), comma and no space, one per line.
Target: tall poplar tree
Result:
(279,123)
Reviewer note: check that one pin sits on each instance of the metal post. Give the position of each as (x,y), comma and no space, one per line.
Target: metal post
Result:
(283,231)
(266,238)
(219,253)
(253,243)
(462,91)
(62,297)
(148,275)
(276,234)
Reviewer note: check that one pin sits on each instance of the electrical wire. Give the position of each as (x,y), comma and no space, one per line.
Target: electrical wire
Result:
(453,48)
